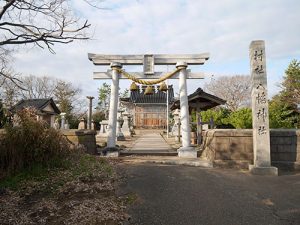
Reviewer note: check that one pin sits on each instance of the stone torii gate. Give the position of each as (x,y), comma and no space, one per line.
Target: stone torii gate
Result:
(149,61)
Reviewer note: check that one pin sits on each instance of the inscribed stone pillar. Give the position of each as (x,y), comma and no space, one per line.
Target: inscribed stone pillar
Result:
(186,151)
(113,107)
(260,111)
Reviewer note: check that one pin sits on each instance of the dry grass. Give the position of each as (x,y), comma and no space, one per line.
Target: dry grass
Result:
(83,192)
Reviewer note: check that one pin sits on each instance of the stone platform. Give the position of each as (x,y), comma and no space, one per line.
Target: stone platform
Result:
(150,143)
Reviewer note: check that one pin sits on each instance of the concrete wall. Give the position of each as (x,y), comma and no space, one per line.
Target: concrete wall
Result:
(234,147)
(85,137)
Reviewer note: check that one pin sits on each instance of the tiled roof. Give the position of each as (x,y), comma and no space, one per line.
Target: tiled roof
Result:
(38,104)
(159,97)
(204,100)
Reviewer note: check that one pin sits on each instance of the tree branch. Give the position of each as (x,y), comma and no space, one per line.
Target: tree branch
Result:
(6,7)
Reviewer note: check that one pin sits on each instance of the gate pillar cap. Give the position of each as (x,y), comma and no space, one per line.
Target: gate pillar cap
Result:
(181,64)
(116,64)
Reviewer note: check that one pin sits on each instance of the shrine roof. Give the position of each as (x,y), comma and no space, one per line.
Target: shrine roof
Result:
(158,97)
(200,99)
(38,104)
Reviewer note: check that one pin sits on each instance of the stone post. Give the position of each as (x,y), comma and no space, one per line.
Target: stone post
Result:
(167,109)
(260,111)
(199,126)
(126,124)
(131,127)
(120,135)
(186,151)
(120,121)
(93,125)
(113,107)
(102,132)
(81,124)
(176,128)
(89,123)
(63,120)
(56,124)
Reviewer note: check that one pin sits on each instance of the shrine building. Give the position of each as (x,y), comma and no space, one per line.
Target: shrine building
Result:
(149,111)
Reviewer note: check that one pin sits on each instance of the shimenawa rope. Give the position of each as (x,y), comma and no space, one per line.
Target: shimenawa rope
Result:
(146,82)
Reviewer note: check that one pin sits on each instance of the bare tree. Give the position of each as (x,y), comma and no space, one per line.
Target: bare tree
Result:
(69,100)
(234,89)
(38,87)
(32,87)
(7,74)
(63,93)
(39,22)
(9,93)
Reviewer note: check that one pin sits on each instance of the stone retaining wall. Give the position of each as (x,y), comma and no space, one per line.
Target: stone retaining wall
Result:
(84,137)
(234,147)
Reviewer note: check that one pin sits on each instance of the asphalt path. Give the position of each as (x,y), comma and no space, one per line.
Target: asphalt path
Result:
(175,195)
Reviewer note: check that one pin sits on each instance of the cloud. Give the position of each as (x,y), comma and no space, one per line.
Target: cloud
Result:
(223,28)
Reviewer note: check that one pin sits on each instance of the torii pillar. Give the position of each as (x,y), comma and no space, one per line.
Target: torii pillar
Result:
(113,106)
(149,61)
(186,151)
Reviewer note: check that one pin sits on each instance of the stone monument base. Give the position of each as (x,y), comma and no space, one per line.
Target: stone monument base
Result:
(101,135)
(111,152)
(187,152)
(120,137)
(270,170)
(127,134)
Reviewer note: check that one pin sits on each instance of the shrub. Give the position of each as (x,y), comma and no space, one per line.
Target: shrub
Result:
(218,115)
(31,143)
(240,119)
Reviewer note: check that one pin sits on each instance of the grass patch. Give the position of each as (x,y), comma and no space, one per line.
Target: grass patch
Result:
(37,172)
(131,198)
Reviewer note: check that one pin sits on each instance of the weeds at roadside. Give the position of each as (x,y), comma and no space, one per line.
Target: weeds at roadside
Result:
(63,195)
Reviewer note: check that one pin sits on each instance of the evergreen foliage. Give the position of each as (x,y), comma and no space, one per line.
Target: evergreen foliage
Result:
(240,119)
(104,96)
(281,114)
(291,84)
(218,115)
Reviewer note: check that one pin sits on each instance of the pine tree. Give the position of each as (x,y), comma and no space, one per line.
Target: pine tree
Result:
(291,84)
(286,104)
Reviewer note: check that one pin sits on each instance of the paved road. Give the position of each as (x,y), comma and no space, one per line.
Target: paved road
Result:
(175,195)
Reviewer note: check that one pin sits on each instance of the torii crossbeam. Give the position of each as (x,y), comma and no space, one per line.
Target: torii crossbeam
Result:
(149,61)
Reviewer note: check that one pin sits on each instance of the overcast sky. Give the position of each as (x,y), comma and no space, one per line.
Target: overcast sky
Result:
(222,28)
